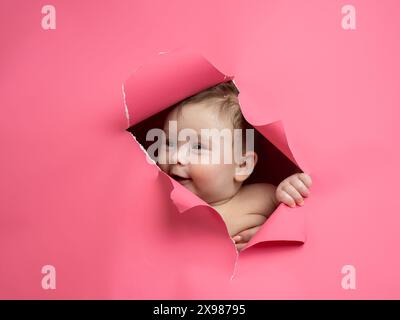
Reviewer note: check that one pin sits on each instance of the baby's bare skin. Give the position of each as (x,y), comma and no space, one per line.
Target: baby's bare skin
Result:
(248,208)
(251,206)
(244,208)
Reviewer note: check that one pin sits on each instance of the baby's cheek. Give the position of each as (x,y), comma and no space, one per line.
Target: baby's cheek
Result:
(203,173)
(210,175)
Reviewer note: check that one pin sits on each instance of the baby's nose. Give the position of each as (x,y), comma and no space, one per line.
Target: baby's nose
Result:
(181,155)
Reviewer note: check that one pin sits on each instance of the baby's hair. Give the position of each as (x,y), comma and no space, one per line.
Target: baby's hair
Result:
(225,95)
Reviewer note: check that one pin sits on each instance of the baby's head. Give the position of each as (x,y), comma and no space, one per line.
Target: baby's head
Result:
(209,122)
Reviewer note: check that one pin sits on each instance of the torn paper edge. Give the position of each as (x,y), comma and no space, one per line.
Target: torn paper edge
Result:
(151,161)
(236,261)
(148,158)
(125,105)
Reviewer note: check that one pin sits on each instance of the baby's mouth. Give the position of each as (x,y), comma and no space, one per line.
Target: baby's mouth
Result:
(180,179)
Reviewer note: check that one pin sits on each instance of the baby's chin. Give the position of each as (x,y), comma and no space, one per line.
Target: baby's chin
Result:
(188,184)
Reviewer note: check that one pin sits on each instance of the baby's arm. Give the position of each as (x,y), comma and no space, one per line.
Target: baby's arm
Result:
(258,198)
(250,207)
(290,191)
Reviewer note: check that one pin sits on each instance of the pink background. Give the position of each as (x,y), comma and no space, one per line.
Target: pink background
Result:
(76,191)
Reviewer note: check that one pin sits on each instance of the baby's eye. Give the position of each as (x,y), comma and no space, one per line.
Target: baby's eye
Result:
(198,146)
(169,143)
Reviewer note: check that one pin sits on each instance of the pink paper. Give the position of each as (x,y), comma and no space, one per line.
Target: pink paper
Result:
(76,191)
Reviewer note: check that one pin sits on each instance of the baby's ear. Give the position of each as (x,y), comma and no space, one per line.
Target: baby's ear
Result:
(245,167)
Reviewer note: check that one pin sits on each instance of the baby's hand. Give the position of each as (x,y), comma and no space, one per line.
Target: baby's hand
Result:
(242,238)
(292,190)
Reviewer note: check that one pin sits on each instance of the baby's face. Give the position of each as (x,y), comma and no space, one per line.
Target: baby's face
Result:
(213,181)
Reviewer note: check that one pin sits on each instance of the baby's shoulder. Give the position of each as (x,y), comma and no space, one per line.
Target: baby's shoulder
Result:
(258,197)
(256,189)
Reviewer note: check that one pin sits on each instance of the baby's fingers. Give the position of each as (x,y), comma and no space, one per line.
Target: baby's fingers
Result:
(240,246)
(289,189)
(299,185)
(290,196)
(246,235)
(306,179)
(284,197)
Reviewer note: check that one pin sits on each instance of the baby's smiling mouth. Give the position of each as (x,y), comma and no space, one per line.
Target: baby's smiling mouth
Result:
(180,179)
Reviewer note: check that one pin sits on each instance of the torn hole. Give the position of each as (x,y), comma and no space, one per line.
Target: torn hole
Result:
(271,168)
(156,90)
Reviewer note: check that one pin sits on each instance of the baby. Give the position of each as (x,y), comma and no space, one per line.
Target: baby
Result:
(244,208)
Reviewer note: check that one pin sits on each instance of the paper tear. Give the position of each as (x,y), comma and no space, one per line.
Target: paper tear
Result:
(125,105)
(285,226)
(236,261)
(149,159)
